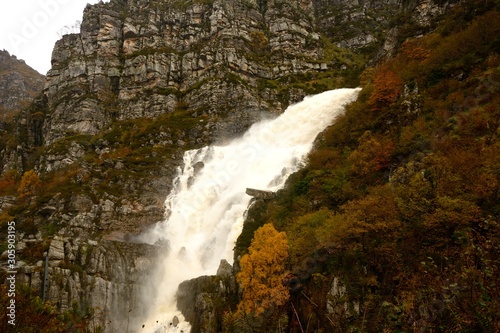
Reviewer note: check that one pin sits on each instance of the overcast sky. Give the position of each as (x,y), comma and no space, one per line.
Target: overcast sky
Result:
(30,28)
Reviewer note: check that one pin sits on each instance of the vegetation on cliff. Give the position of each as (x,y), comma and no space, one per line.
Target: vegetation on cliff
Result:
(263,271)
(399,203)
(33,315)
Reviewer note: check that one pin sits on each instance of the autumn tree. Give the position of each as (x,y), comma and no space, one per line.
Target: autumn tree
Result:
(373,154)
(30,184)
(370,217)
(387,88)
(263,271)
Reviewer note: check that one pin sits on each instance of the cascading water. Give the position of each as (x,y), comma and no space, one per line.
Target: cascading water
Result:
(205,211)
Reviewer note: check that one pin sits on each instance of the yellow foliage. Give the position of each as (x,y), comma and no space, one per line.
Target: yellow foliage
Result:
(414,198)
(306,227)
(30,184)
(373,154)
(369,217)
(376,212)
(263,271)
(453,212)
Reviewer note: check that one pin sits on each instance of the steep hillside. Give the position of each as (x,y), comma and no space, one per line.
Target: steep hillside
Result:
(394,224)
(92,158)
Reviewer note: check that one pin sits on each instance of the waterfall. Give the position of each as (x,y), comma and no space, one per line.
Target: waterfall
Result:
(205,210)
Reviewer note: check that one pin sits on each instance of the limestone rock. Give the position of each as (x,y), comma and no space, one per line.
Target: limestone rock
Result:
(56,249)
(6,202)
(110,278)
(225,269)
(132,63)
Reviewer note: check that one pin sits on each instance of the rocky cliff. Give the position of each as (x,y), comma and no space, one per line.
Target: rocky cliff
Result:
(165,76)
(18,83)
(108,277)
(144,81)
(148,58)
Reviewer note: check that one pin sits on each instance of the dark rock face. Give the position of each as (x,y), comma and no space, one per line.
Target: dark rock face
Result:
(19,84)
(204,300)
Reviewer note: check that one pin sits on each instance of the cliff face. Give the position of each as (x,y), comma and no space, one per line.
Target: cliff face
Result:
(147,58)
(219,58)
(19,84)
(355,24)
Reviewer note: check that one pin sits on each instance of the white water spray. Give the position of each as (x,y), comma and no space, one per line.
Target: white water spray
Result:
(205,211)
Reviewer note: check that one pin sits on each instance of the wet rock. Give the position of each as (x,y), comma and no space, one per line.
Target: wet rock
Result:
(260,194)
(175,321)
(225,269)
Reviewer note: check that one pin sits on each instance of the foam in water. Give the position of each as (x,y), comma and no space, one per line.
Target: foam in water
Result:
(205,210)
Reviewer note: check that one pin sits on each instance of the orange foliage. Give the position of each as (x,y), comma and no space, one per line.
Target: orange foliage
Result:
(465,173)
(376,212)
(373,154)
(451,213)
(324,158)
(32,315)
(30,184)
(263,272)
(414,51)
(8,183)
(387,88)
(364,221)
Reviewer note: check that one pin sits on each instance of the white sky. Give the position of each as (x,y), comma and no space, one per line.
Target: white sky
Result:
(30,28)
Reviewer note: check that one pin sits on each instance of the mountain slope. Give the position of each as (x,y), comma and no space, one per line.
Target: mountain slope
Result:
(394,223)
(18,82)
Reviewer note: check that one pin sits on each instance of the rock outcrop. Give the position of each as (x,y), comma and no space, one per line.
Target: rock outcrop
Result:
(106,276)
(204,300)
(260,194)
